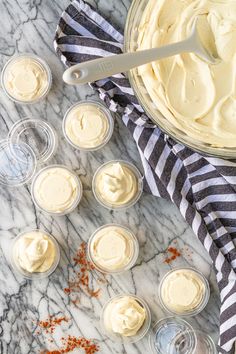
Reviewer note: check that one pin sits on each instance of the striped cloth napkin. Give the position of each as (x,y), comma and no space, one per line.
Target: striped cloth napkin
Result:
(202,187)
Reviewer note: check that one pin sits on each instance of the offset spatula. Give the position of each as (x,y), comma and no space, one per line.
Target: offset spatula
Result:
(201,43)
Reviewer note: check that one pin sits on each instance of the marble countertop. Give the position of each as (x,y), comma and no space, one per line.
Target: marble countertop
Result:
(29,26)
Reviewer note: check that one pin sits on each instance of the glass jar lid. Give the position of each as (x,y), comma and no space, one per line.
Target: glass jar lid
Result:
(17,163)
(37,134)
(172,335)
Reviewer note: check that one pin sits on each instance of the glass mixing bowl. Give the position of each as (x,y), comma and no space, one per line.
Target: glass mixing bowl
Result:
(151,109)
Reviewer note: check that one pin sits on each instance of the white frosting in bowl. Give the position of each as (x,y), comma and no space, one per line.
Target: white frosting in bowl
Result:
(196,97)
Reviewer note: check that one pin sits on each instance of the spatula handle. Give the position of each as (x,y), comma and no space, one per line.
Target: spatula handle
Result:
(105,67)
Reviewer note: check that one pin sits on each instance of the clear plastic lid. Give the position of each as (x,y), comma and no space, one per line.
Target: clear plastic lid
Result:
(173,335)
(17,163)
(38,134)
(205,344)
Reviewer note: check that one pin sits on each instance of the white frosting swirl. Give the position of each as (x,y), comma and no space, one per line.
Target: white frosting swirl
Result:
(116,184)
(124,316)
(34,252)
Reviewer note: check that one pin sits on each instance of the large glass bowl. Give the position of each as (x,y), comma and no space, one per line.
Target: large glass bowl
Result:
(151,109)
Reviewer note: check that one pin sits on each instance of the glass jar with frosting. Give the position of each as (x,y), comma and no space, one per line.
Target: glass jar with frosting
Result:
(56,190)
(113,249)
(184,292)
(126,318)
(117,184)
(88,125)
(26,78)
(35,254)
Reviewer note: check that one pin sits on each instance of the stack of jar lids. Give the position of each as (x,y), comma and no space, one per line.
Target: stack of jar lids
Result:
(30,142)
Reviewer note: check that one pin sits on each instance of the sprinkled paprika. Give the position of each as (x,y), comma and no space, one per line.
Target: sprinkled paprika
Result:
(174,254)
(81,279)
(50,323)
(70,343)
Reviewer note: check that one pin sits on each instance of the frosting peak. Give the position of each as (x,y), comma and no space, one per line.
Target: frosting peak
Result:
(116,184)
(34,252)
(124,316)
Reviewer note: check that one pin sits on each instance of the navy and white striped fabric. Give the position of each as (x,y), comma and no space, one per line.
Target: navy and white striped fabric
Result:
(203,188)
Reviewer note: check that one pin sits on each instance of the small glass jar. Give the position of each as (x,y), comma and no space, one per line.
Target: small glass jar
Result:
(105,112)
(70,205)
(35,275)
(141,332)
(42,65)
(133,256)
(203,301)
(133,200)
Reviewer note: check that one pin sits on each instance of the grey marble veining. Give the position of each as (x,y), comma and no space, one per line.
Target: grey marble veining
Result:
(29,26)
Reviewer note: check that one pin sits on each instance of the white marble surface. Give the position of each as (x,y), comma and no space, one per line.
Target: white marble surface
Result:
(28,26)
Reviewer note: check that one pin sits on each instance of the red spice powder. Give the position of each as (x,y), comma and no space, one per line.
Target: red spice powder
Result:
(174,254)
(50,323)
(81,277)
(70,343)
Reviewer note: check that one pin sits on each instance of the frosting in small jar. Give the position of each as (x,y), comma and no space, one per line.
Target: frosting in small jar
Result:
(115,184)
(26,78)
(196,97)
(112,248)
(124,316)
(183,291)
(56,189)
(87,125)
(34,252)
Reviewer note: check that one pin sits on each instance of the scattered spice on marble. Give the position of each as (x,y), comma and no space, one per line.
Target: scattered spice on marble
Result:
(82,275)
(51,323)
(187,252)
(70,343)
(174,253)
